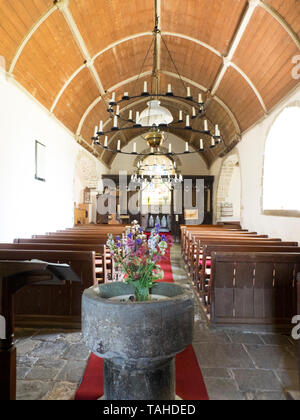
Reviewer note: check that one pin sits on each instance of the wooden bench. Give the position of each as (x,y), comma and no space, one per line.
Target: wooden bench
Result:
(103,263)
(254,288)
(53,306)
(185,230)
(192,240)
(203,269)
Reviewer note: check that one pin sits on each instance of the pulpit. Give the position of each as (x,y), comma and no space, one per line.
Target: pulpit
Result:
(14,275)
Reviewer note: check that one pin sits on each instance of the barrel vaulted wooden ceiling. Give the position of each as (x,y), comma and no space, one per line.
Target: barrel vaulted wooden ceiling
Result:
(71,54)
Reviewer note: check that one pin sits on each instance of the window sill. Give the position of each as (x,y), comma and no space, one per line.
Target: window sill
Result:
(282,213)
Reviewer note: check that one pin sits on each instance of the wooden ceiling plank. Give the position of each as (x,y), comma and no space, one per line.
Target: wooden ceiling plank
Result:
(28,37)
(235,43)
(63,5)
(276,15)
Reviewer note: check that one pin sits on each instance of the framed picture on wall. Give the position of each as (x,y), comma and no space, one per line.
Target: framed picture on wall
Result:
(191,214)
(40,161)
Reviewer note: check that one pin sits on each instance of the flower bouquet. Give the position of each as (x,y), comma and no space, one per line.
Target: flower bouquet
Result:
(138,255)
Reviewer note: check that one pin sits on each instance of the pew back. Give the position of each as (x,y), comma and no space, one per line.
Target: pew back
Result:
(40,306)
(254,288)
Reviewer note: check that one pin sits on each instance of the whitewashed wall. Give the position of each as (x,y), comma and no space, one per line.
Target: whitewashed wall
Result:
(28,206)
(251,150)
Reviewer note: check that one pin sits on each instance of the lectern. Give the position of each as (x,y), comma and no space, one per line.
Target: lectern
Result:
(13,276)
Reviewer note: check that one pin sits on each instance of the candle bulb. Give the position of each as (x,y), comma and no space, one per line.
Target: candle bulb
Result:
(130,115)
(186,147)
(201,144)
(118,110)
(126,94)
(170,148)
(187,121)
(115,121)
(200,100)
(217,131)
(194,112)
(119,145)
(134,147)
(96,131)
(169,88)
(106,141)
(213,143)
(101,127)
(113,98)
(152,150)
(205,125)
(180,116)
(188,92)
(145,87)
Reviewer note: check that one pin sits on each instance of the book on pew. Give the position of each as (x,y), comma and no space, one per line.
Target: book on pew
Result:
(60,272)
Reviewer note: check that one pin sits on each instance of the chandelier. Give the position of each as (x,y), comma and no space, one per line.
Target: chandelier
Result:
(147,174)
(156,121)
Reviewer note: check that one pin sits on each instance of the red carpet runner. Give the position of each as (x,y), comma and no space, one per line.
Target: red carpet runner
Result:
(189,380)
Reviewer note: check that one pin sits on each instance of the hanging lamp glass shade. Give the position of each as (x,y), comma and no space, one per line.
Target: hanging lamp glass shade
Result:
(154,115)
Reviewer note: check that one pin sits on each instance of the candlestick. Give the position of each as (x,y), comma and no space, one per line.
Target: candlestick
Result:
(115,121)
(101,127)
(170,148)
(188,92)
(169,88)
(145,87)
(186,147)
(106,141)
(96,131)
(180,116)
(200,100)
(118,110)
(205,125)
(119,145)
(187,121)
(130,115)
(194,112)
(201,144)
(113,98)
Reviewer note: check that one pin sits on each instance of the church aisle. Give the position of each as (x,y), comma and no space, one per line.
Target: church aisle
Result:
(235,365)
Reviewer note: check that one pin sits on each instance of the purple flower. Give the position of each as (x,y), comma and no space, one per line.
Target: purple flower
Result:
(119,245)
(138,241)
(141,229)
(118,238)
(163,238)
(130,235)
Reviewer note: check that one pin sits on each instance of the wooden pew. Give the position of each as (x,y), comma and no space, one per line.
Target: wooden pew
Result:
(192,241)
(233,241)
(254,288)
(53,306)
(202,279)
(103,264)
(184,229)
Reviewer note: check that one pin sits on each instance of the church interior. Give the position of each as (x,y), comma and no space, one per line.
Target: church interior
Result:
(174,125)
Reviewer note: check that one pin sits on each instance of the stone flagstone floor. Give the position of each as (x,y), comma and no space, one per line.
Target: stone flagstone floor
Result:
(235,365)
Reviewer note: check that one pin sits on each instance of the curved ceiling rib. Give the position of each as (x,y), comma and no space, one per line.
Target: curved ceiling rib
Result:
(28,36)
(228,61)
(281,20)
(198,42)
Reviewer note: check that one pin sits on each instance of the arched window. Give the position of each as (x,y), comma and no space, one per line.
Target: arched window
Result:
(157,165)
(281,168)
